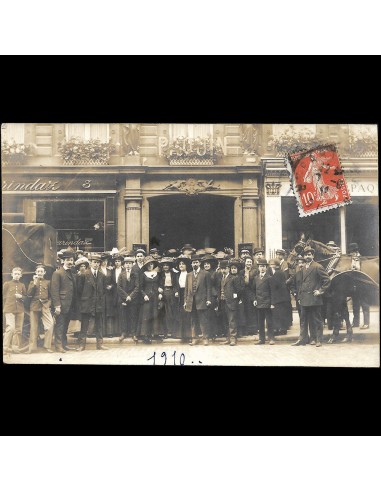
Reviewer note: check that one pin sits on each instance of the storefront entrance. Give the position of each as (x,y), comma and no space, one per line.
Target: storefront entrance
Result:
(321,227)
(204,221)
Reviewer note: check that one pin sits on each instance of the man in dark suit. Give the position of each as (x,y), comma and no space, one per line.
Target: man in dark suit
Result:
(64,299)
(357,299)
(314,282)
(284,267)
(262,301)
(197,299)
(228,289)
(128,292)
(91,293)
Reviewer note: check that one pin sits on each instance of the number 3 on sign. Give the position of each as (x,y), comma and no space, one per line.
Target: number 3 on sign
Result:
(308,198)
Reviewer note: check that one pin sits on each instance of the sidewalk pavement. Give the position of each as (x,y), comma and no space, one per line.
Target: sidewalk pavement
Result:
(364,351)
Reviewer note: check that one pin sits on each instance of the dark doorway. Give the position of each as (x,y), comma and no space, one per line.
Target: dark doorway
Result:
(203,221)
(362,224)
(321,227)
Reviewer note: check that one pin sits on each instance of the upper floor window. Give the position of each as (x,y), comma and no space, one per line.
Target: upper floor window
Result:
(13,132)
(191,131)
(87,131)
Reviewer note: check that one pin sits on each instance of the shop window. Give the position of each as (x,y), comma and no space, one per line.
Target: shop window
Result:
(87,131)
(79,224)
(190,131)
(13,132)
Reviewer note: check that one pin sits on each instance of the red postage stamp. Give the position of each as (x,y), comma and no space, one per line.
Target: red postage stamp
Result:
(318,180)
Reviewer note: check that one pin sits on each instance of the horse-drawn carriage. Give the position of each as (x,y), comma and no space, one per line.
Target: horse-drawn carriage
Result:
(26,246)
(344,279)
(352,276)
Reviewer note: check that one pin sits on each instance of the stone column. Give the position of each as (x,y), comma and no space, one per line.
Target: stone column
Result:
(133,221)
(237,224)
(250,220)
(145,222)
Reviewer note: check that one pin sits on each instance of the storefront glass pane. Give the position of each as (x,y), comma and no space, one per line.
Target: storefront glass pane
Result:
(79,224)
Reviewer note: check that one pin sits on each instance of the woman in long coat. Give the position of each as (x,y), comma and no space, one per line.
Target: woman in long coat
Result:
(209,264)
(168,287)
(149,325)
(183,328)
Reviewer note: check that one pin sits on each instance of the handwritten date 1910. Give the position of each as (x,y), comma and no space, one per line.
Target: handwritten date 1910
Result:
(164,359)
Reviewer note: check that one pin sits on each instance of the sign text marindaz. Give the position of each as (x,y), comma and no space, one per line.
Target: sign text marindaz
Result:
(37,185)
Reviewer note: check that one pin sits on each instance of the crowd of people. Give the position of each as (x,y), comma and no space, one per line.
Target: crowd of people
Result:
(194,296)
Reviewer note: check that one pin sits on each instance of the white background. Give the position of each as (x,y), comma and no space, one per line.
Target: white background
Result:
(190,464)
(191,27)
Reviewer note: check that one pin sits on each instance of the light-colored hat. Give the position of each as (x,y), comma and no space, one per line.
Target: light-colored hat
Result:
(129,258)
(81,261)
(166,259)
(220,255)
(95,256)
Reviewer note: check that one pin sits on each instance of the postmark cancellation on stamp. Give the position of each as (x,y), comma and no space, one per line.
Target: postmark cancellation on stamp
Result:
(317,179)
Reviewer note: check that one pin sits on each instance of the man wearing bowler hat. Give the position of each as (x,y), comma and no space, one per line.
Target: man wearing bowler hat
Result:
(258,254)
(198,297)
(128,291)
(91,293)
(314,282)
(357,299)
(228,288)
(64,299)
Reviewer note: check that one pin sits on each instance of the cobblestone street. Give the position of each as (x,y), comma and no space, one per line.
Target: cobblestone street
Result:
(363,352)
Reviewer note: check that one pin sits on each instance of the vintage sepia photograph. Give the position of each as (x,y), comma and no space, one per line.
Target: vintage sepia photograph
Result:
(221,244)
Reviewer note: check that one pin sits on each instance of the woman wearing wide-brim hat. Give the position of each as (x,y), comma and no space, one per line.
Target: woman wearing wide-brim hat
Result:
(169,288)
(183,330)
(149,323)
(209,263)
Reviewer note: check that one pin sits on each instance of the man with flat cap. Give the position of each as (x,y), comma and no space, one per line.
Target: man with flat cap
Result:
(198,298)
(314,282)
(64,299)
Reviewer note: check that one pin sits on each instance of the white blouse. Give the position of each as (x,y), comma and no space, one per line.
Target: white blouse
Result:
(182,279)
(150,274)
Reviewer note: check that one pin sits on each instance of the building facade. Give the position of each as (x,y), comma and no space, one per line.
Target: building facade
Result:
(164,185)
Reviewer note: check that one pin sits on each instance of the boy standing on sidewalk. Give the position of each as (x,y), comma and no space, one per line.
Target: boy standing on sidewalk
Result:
(14,294)
(40,295)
